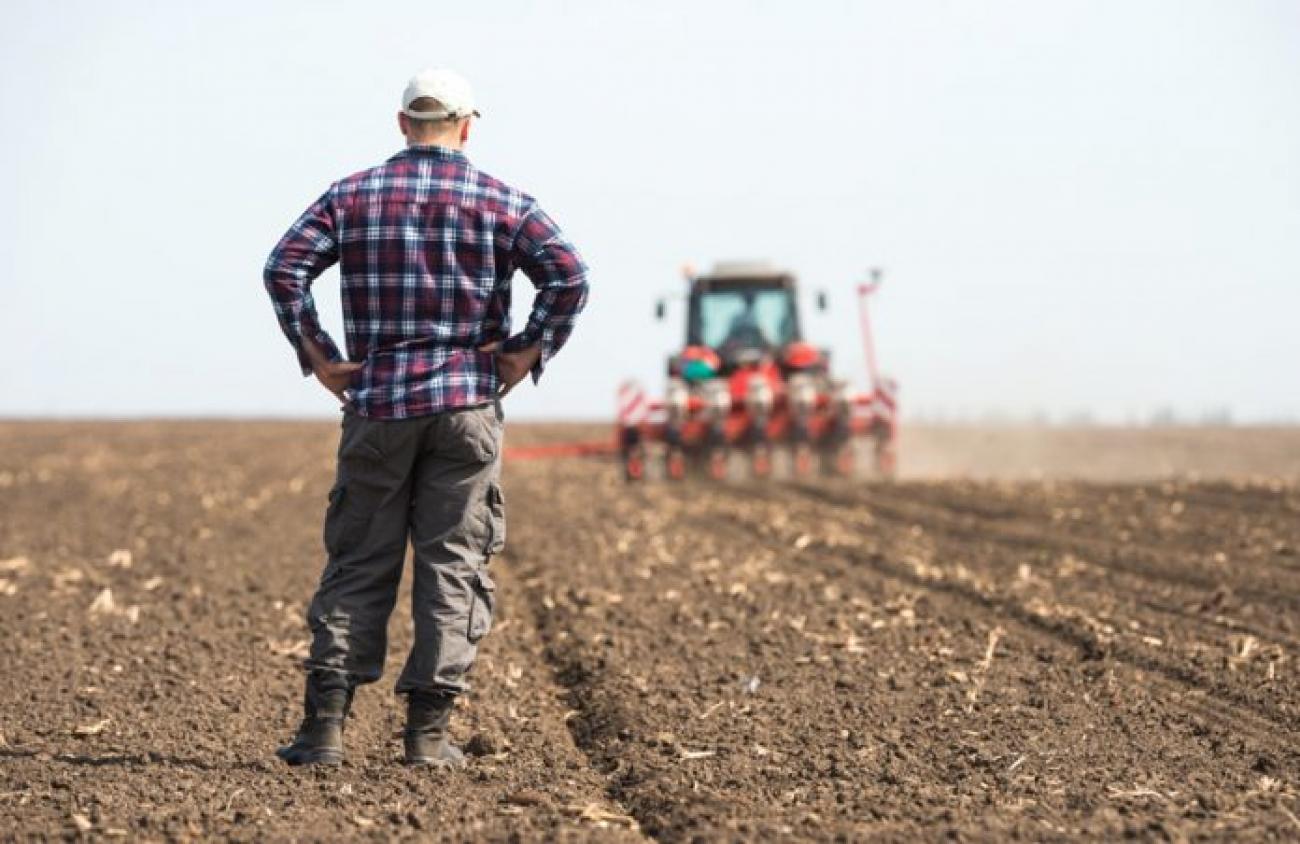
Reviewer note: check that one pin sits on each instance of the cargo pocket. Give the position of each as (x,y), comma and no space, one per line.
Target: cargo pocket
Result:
(496,520)
(481,607)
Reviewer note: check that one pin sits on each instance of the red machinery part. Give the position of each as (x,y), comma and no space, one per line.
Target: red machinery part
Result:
(801,356)
(703,354)
(739,383)
(633,405)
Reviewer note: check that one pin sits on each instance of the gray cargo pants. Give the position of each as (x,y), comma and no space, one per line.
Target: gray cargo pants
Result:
(435,479)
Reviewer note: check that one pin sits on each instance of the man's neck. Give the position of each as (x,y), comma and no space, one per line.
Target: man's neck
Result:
(445,143)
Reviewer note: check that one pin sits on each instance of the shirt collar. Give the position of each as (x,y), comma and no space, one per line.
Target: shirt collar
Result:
(431,151)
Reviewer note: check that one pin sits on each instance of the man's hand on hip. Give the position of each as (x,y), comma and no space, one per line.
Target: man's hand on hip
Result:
(512,366)
(335,376)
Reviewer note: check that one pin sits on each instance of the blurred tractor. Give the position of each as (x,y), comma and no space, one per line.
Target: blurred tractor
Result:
(748,384)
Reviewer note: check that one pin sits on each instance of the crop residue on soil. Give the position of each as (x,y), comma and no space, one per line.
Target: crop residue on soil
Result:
(930,657)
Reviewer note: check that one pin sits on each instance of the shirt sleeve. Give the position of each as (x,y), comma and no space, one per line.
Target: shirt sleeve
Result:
(556,269)
(308,248)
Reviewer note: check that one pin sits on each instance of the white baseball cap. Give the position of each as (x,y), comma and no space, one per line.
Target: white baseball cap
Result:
(447,87)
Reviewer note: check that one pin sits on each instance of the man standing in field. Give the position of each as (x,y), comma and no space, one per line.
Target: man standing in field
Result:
(427,246)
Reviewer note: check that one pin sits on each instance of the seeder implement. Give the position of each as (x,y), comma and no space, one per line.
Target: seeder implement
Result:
(747,385)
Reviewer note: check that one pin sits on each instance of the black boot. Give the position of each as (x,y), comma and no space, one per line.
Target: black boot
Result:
(426,739)
(320,736)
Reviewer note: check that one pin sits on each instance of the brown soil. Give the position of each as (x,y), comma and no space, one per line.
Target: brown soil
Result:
(980,659)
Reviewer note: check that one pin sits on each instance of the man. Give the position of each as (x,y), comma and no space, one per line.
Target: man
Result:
(427,245)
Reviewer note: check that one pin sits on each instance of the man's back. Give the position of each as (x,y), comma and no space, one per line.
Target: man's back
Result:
(427,245)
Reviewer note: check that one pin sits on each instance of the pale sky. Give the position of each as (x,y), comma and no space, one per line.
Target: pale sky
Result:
(1078,205)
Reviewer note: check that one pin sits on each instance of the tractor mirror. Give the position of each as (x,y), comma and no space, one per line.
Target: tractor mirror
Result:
(822,303)
(660,310)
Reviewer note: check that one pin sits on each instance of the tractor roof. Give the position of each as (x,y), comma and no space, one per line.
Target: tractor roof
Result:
(744,274)
(724,270)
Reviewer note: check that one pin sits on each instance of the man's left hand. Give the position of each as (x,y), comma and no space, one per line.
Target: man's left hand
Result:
(334,375)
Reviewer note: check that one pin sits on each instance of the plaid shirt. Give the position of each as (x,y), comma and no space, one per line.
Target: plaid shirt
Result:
(427,245)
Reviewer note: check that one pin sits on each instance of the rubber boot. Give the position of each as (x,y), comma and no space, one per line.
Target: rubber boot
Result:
(426,739)
(326,703)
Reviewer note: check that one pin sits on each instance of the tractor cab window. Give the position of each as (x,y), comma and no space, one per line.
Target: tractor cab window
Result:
(750,319)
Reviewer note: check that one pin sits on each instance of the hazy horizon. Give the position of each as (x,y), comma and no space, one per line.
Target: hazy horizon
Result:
(1080,208)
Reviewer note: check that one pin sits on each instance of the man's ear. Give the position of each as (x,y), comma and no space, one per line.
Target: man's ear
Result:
(404,124)
(464,131)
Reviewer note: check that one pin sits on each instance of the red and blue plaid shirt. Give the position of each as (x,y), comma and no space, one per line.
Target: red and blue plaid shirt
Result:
(427,245)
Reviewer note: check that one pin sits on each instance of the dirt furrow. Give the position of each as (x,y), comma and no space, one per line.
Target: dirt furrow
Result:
(1273,587)
(1214,602)
(1220,610)
(1073,611)
(1256,535)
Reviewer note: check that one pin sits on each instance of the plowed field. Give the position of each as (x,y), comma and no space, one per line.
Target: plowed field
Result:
(1100,644)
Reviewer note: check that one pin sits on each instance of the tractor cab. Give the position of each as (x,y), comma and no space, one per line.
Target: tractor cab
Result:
(743,316)
(739,316)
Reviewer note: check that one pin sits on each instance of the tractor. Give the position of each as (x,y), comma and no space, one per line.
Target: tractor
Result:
(748,384)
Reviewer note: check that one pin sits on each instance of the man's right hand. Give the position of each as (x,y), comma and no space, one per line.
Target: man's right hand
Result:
(512,366)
